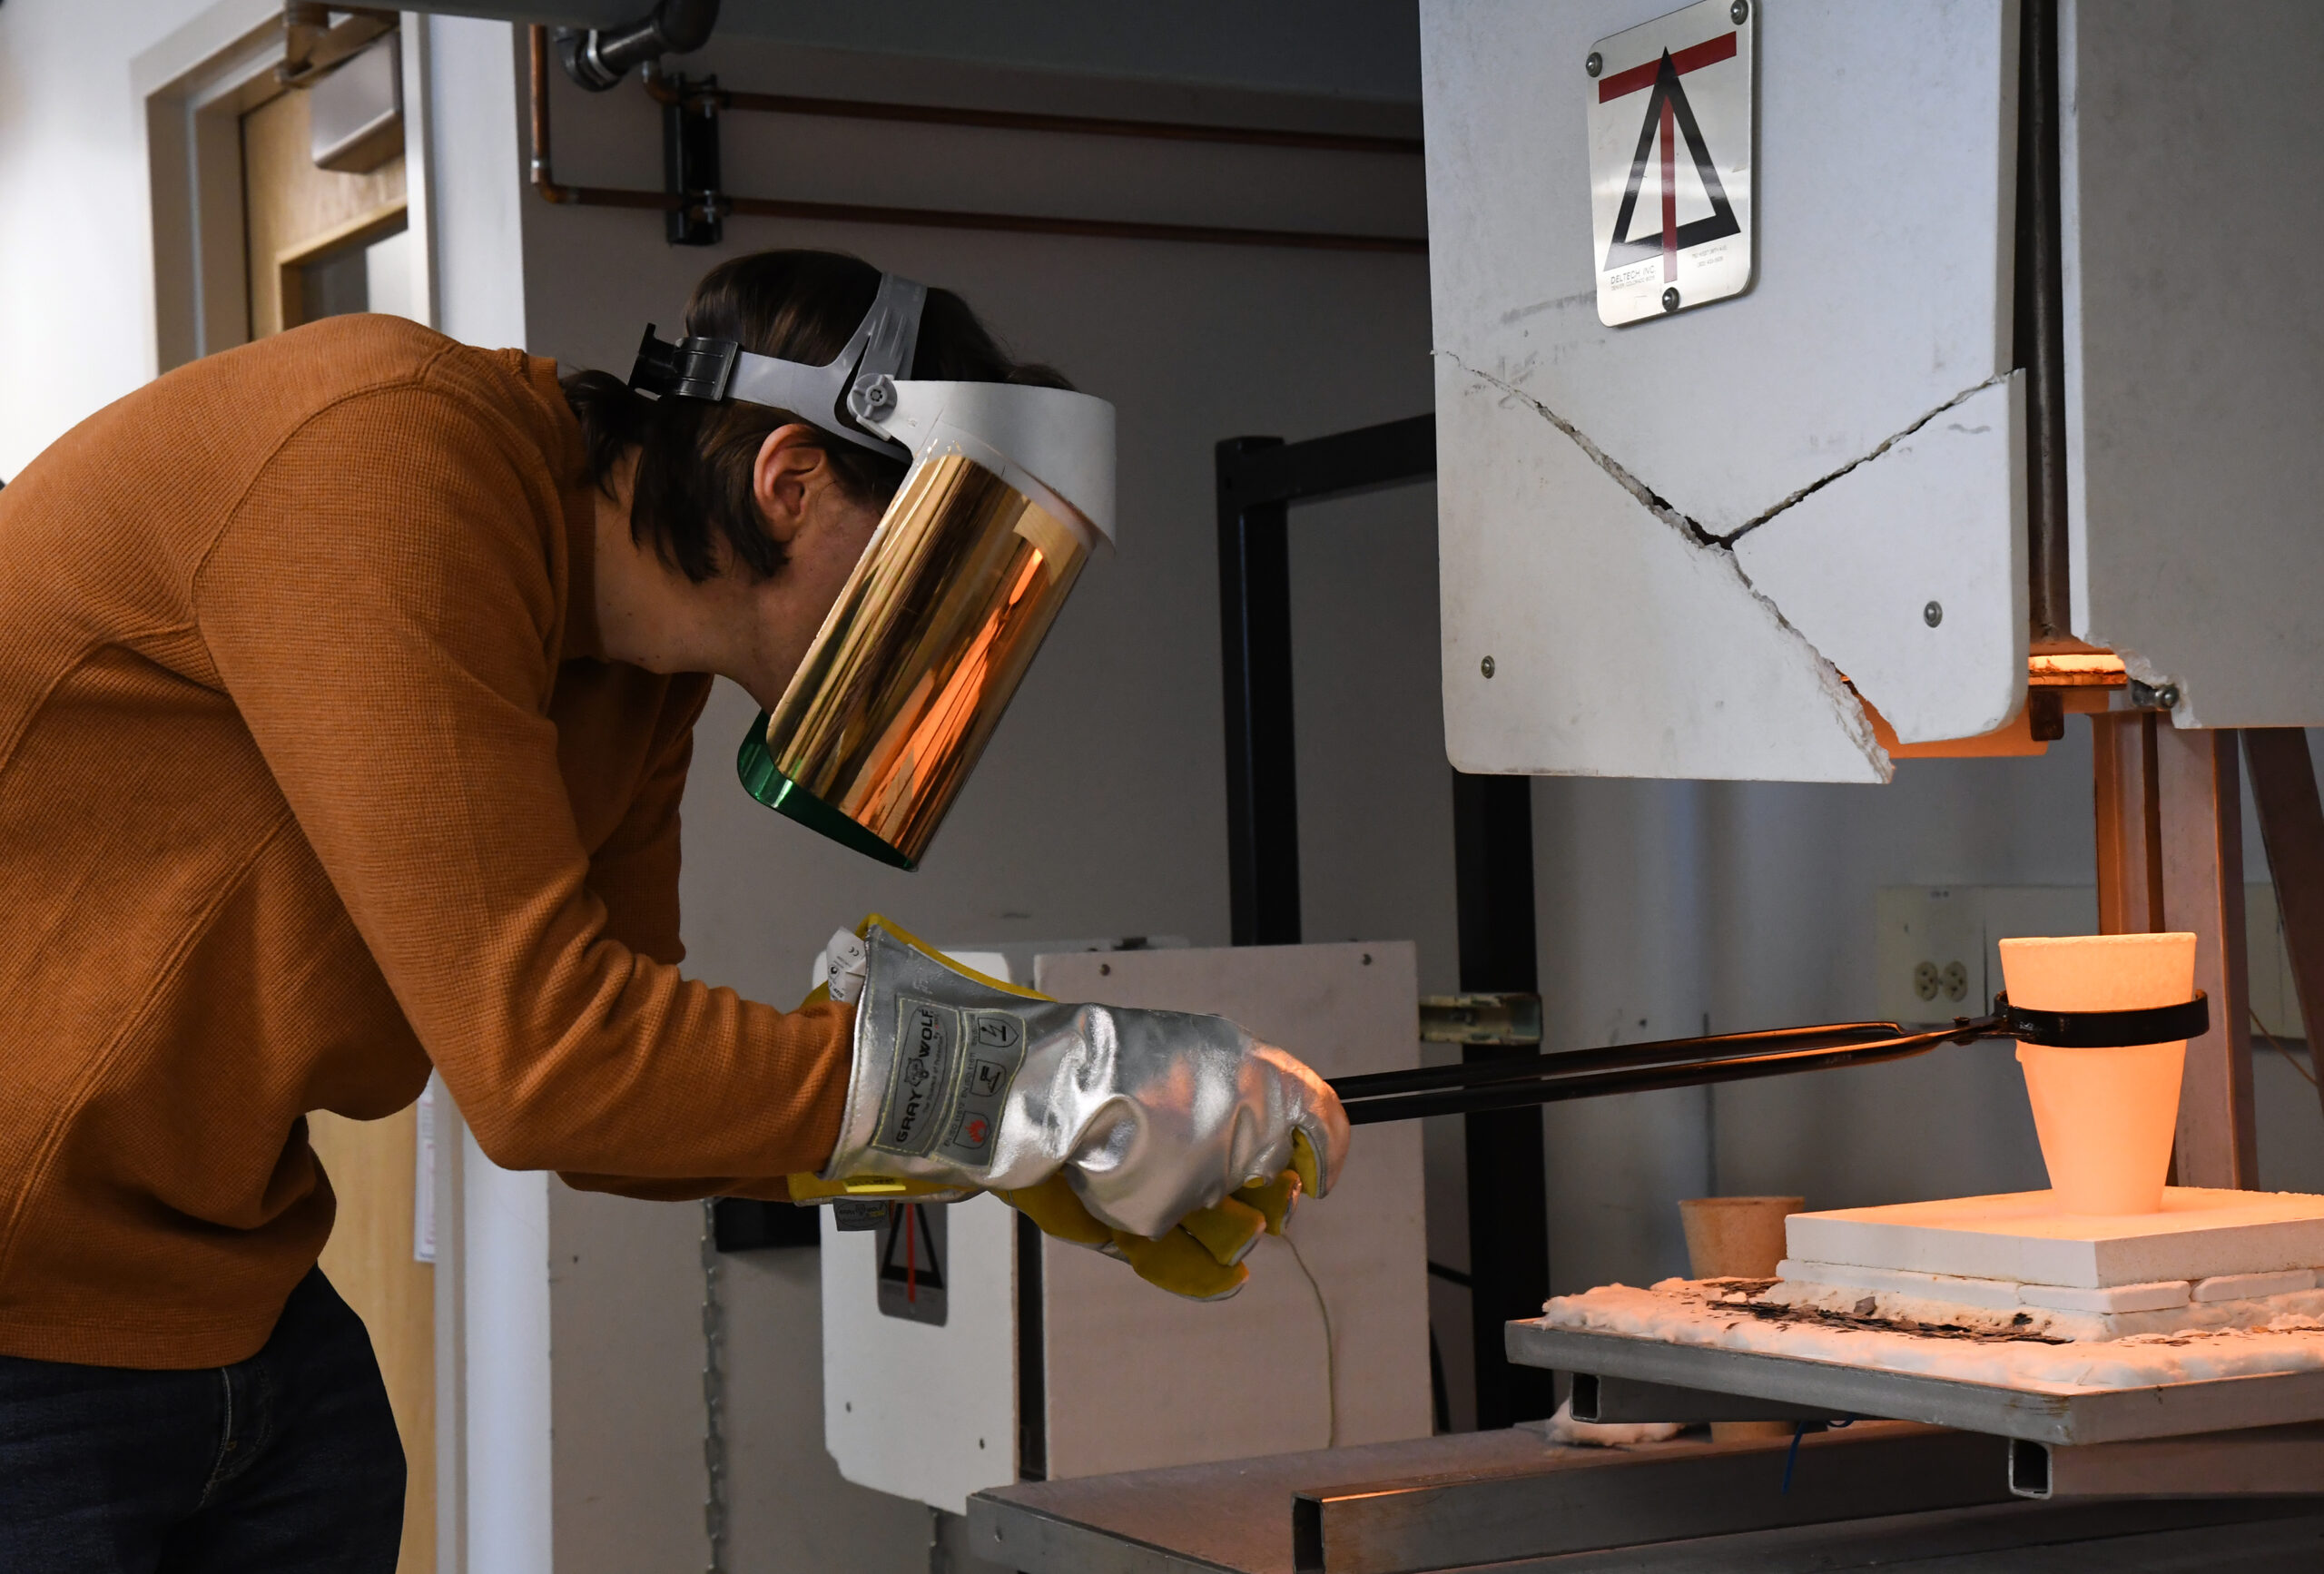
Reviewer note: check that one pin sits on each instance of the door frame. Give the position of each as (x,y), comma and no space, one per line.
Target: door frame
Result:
(196,86)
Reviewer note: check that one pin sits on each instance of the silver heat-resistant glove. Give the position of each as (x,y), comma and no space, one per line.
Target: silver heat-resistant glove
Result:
(1151,1115)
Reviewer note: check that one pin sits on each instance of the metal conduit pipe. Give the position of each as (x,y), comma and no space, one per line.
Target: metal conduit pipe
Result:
(599,58)
(545,181)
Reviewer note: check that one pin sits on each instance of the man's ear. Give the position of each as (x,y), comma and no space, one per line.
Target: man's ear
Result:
(790,464)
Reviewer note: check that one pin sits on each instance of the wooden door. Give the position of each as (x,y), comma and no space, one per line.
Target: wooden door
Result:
(308,229)
(310,235)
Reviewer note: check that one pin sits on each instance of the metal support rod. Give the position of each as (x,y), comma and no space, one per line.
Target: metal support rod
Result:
(1520,1097)
(2201,804)
(2291,825)
(1509,1222)
(2040,320)
(1262,766)
(1518,1080)
(545,181)
(1534,1065)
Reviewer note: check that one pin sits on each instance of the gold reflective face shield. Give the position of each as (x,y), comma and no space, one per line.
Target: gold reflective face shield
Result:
(919,656)
(1011,485)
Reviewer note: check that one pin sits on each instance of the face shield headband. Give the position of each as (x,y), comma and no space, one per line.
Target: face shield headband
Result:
(1008,490)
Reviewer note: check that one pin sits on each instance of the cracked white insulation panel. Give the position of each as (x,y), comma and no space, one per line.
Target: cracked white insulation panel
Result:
(1674,537)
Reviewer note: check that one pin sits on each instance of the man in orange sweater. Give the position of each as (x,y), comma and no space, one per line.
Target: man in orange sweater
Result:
(346,691)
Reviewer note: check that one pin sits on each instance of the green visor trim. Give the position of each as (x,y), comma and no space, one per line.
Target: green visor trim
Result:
(779,793)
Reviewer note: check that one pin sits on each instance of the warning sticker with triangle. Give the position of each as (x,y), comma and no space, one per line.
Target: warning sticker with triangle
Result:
(1670,113)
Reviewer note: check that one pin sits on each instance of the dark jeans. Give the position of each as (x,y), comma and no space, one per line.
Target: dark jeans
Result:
(286,1461)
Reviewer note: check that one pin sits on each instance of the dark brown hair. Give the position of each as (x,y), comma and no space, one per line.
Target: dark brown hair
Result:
(692,494)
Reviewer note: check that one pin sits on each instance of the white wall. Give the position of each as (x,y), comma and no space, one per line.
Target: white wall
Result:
(76,276)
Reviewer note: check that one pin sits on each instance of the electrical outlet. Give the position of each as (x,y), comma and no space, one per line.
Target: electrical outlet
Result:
(1927,952)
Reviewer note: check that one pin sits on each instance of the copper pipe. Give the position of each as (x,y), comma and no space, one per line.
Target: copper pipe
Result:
(1025,119)
(545,181)
(542,180)
(1042,224)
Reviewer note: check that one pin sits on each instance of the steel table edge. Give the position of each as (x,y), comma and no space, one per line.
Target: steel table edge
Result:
(990,1514)
(1850,1390)
(2063,1420)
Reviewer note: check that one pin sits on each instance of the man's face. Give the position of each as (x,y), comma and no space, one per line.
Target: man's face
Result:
(832,529)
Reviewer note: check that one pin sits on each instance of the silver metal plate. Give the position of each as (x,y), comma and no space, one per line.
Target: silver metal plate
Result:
(1671,105)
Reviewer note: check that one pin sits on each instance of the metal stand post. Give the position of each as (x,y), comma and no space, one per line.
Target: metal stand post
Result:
(2202,798)
(2291,824)
(1509,1224)
(1262,764)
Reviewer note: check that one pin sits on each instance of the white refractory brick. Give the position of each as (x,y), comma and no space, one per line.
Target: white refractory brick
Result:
(2164,1295)
(2251,1286)
(2199,1233)
(1995,1294)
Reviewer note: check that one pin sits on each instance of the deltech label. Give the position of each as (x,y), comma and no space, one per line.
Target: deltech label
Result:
(921,1085)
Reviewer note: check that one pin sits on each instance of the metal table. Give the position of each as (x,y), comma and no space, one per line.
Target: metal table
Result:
(1871,1496)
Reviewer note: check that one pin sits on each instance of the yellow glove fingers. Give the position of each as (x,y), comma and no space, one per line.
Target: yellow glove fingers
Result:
(1304,1164)
(1227,1231)
(1181,1264)
(1053,1206)
(1274,1199)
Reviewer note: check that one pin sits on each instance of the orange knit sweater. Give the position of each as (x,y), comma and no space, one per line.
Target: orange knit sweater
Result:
(312,774)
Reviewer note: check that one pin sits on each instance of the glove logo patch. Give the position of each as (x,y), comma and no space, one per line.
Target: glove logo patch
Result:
(951,1078)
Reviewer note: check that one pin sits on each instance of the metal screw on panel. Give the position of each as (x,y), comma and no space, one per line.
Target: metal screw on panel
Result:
(1594,65)
(1485,666)
(1933,613)
(1740,11)
(1670,299)
(2167,697)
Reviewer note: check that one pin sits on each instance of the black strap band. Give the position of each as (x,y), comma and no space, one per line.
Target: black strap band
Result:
(692,368)
(2105,1030)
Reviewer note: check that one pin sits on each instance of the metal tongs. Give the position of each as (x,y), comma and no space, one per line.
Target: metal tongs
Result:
(1512,1081)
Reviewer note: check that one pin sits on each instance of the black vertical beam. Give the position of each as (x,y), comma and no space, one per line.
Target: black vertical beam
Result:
(1032,1358)
(1509,1223)
(1262,784)
(2040,319)
(690,163)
